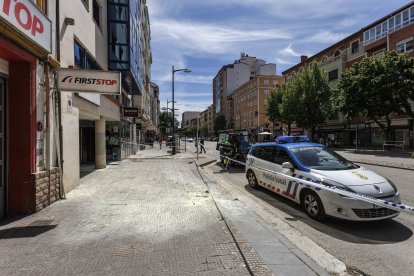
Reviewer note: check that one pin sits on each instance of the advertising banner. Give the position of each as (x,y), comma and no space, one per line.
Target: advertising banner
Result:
(92,81)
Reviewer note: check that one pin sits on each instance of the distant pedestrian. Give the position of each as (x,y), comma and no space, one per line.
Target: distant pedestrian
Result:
(202,145)
(160,141)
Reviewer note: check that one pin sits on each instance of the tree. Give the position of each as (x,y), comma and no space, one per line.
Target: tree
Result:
(165,121)
(376,88)
(203,129)
(288,107)
(274,101)
(219,123)
(314,93)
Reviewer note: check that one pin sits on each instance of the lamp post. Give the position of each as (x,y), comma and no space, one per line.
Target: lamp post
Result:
(173,71)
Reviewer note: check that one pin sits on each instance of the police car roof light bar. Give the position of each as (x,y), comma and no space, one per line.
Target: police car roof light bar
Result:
(292,139)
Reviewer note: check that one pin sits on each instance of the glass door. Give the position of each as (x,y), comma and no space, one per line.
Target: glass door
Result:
(2,146)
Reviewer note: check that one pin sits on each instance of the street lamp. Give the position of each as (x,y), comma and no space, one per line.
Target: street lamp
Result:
(173,71)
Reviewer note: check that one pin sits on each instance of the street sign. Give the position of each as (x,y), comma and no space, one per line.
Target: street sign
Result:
(91,81)
(131,112)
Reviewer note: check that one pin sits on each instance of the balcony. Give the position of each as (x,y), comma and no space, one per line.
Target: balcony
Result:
(355,53)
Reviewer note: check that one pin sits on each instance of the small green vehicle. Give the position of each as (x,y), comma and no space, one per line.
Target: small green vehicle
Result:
(234,145)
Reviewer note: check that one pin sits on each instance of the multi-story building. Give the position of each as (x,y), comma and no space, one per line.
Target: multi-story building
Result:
(250,102)
(28,155)
(232,76)
(57,126)
(204,122)
(210,120)
(393,32)
(85,116)
(188,118)
(130,53)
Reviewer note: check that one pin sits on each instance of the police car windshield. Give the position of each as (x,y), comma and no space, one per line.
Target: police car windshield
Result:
(321,158)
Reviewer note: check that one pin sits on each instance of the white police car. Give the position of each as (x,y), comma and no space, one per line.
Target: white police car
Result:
(294,156)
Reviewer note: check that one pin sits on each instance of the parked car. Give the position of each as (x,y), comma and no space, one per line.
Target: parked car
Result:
(317,163)
(190,140)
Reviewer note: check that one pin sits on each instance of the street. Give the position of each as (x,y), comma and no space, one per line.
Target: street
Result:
(374,248)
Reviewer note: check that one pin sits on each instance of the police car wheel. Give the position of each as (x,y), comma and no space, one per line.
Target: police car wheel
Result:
(251,177)
(313,205)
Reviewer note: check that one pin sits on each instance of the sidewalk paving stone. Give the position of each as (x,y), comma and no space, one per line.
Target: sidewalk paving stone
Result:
(144,215)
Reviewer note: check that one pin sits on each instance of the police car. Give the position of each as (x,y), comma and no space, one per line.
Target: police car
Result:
(294,156)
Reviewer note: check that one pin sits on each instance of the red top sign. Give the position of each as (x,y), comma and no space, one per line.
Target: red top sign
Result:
(24,16)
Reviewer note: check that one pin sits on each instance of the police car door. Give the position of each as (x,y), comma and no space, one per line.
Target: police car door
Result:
(288,187)
(263,161)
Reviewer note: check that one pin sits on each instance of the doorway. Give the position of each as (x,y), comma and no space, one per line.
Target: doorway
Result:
(2,147)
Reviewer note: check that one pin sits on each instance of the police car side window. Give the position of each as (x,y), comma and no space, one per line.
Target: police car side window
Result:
(255,152)
(282,156)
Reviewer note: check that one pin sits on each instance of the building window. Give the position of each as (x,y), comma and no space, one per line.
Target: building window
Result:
(275,83)
(333,75)
(96,13)
(404,46)
(398,21)
(85,3)
(337,53)
(406,17)
(355,47)
(412,14)
(266,83)
(82,59)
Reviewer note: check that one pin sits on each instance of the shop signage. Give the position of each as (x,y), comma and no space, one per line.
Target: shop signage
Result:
(92,81)
(24,16)
(131,112)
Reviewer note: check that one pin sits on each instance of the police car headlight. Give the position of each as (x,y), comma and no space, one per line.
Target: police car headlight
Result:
(336,185)
(393,185)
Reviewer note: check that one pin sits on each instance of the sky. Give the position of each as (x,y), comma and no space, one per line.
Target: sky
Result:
(204,35)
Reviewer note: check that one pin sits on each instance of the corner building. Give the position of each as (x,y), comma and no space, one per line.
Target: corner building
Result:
(29,173)
(393,32)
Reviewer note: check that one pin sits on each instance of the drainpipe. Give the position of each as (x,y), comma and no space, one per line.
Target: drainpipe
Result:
(59,102)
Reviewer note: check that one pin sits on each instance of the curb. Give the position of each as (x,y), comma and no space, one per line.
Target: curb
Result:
(205,163)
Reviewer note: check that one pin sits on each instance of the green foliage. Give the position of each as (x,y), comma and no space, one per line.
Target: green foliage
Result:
(313,90)
(412,154)
(376,87)
(304,100)
(273,102)
(165,121)
(219,123)
(203,130)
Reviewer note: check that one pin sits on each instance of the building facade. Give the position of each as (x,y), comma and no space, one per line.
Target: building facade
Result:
(393,32)
(60,131)
(230,77)
(188,118)
(29,168)
(250,102)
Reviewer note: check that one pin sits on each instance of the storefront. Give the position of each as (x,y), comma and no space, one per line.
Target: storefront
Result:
(25,43)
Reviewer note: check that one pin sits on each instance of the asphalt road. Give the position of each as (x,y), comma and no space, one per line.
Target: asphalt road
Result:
(373,248)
